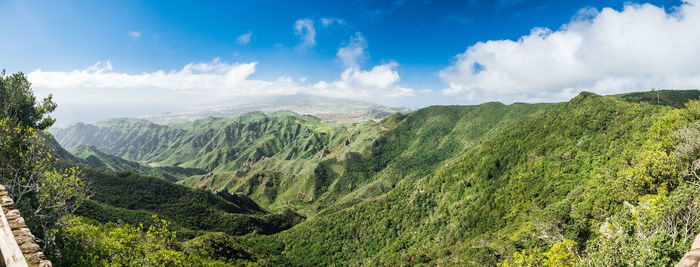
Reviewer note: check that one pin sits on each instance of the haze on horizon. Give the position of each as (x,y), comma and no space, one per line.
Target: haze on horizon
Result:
(126,58)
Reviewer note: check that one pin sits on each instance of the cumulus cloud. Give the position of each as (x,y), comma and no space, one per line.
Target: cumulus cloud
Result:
(354,52)
(99,92)
(304,28)
(134,34)
(328,21)
(215,78)
(244,39)
(380,81)
(604,51)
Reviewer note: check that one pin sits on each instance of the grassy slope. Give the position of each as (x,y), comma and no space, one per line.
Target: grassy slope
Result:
(553,174)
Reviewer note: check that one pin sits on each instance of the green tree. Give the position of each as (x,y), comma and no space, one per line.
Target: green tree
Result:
(18,103)
(42,194)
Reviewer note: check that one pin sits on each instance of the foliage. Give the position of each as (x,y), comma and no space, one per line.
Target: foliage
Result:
(657,232)
(88,244)
(662,225)
(220,247)
(562,253)
(133,198)
(598,180)
(91,156)
(555,175)
(42,194)
(674,98)
(18,103)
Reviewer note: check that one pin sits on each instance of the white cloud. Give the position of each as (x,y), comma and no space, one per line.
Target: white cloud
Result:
(354,52)
(304,28)
(605,51)
(328,21)
(134,34)
(99,92)
(244,39)
(380,81)
(210,78)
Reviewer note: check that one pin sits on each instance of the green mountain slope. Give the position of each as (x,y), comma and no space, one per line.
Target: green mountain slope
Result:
(212,144)
(674,98)
(328,109)
(133,198)
(410,147)
(283,144)
(558,175)
(290,160)
(91,156)
(197,216)
(455,185)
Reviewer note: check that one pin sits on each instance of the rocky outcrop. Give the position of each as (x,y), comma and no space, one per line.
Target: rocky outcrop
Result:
(691,258)
(23,236)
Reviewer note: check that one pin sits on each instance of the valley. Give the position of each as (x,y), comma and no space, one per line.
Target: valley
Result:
(502,133)
(468,185)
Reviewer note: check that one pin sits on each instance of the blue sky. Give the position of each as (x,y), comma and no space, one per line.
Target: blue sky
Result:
(402,52)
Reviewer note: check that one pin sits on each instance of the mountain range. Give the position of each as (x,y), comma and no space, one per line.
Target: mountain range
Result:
(442,185)
(328,109)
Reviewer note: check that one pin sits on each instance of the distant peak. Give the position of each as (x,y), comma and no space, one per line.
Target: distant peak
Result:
(583,96)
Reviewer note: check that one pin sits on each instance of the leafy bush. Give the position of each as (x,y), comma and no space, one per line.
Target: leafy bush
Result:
(86,243)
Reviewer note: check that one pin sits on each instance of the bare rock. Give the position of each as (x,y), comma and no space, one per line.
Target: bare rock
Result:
(690,259)
(29,247)
(12,214)
(17,223)
(687,263)
(696,243)
(22,231)
(6,201)
(24,239)
(35,258)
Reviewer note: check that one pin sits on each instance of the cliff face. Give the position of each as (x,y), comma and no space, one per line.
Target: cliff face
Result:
(22,235)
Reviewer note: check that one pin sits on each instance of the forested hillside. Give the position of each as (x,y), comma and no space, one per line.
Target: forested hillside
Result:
(290,160)
(91,156)
(543,184)
(557,189)
(132,218)
(211,144)
(133,198)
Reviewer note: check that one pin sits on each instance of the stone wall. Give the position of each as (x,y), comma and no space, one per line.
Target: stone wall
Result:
(691,258)
(25,239)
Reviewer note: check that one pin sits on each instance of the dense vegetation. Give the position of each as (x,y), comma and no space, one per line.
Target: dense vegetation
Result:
(43,195)
(87,216)
(133,198)
(539,193)
(598,180)
(91,156)
(342,163)
(210,144)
